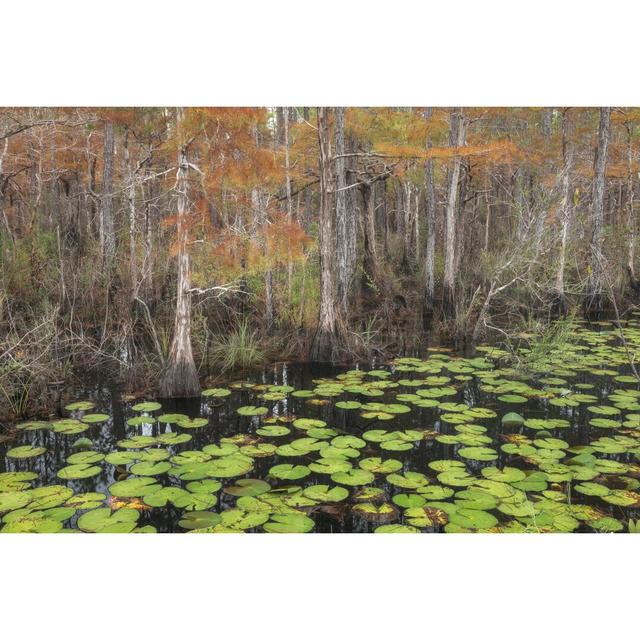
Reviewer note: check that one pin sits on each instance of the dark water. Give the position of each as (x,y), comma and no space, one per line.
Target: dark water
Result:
(224,421)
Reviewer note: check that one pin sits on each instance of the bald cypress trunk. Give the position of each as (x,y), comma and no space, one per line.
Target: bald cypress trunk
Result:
(595,283)
(181,377)
(107,230)
(325,343)
(430,216)
(456,139)
(631,222)
(131,206)
(370,254)
(345,219)
(560,302)
(258,206)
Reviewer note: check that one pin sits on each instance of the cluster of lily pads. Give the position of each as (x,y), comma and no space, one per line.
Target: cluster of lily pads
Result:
(444,443)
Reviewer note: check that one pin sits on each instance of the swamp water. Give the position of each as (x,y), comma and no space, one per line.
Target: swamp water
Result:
(445,444)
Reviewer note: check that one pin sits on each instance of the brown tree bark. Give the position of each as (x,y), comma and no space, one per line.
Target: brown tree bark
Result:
(430,217)
(181,377)
(345,219)
(370,254)
(325,343)
(456,139)
(631,221)
(593,305)
(107,228)
(560,302)
(131,208)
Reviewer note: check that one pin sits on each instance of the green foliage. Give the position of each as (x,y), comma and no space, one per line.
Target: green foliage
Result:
(240,348)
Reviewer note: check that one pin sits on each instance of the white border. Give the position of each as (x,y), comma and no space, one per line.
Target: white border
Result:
(357,52)
(396,52)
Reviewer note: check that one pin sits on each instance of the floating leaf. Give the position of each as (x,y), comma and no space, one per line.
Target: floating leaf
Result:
(147,407)
(25,451)
(408,500)
(353,477)
(85,457)
(512,419)
(80,405)
(478,453)
(251,410)
(324,493)
(396,528)
(216,392)
(78,471)
(289,523)
(134,487)
(289,471)
(104,520)
(94,418)
(199,519)
(248,487)
(378,465)
(150,468)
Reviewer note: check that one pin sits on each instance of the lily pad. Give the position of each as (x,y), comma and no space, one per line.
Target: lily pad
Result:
(25,451)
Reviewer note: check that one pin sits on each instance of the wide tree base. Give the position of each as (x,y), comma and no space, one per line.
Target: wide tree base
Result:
(180,380)
(324,347)
(594,307)
(559,306)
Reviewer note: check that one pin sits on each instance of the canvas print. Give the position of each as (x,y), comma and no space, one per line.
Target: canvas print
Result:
(319,320)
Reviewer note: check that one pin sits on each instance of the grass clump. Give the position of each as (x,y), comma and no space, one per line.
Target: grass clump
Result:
(241,348)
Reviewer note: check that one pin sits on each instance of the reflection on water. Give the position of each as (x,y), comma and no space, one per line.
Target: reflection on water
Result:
(224,421)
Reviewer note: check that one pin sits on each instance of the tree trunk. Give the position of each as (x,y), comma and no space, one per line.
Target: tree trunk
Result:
(631,222)
(407,225)
(370,256)
(456,139)
(287,173)
(131,206)
(306,222)
(345,221)
(181,377)
(560,302)
(107,231)
(260,217)
(325,342)
(430,215)
(595,283)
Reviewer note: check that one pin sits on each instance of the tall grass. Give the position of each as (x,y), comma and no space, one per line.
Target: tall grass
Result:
(532,351)
(241,348)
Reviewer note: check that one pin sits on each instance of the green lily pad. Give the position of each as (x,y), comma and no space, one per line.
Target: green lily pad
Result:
(80,405)
(94,418)
(289,523)
(325,493)
(193,423)
(134,487)
(216,392)
(150,468)
(484,454)
(25,451)
(85,457)
(378,465)
(289,471)
(251,410)
(408,500)
(172,418)
(199,519)
(396,528)
(147,407)
(512,419)
(353,477)
(78,471)
(248,487)
(103,520)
